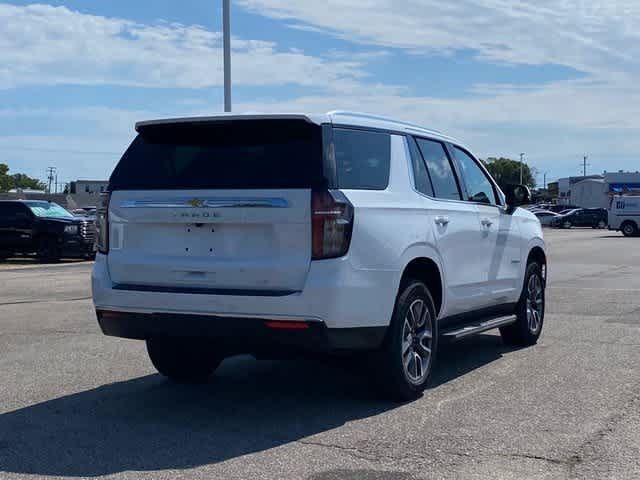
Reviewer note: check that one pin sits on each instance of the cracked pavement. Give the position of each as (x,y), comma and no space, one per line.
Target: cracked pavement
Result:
(76,404)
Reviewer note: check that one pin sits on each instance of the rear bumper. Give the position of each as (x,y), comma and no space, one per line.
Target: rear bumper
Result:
(336,297)
(241,335)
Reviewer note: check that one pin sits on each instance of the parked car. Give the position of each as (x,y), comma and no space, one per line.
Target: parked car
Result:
(84,212)
(45,229)
(625,215)
(545,216)
(582,217)
(561,208)
(285,234)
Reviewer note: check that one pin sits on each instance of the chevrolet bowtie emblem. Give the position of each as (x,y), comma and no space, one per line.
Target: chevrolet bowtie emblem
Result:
(196,203)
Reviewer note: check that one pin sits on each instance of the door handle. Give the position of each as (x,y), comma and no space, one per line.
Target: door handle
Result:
(486,222)
(442,221)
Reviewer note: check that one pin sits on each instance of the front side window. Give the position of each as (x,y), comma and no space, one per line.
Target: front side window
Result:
(443,178)
(480,188)
(362,159)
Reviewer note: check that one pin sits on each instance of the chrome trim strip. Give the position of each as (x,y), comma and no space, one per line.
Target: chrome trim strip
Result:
(208,203)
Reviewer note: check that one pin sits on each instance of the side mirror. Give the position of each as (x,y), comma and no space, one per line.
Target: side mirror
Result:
(516,196)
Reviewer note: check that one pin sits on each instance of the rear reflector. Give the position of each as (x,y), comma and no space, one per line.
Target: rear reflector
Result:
(110,314)
(283,325)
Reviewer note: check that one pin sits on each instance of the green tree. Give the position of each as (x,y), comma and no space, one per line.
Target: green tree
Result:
(5,179)
(507,171)
(17,180)
(20,180)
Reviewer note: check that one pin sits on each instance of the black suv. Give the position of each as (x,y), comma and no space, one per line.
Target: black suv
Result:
(45,229)
(583,217)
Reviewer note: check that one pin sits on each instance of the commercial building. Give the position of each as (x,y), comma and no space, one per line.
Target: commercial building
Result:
(88,186)
(596,191)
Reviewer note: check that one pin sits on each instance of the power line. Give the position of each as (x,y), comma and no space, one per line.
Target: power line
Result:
(55,150)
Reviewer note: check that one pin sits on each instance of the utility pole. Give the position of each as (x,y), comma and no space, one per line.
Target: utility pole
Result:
(521,166)
(226,40)
(584,166)
(56,183)
(50,176)
(545,180)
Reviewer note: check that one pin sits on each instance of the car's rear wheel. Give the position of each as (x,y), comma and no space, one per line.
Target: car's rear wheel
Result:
(184,359)
(529,311)
(567,224)
(602,224)
(406,359)
(629,229)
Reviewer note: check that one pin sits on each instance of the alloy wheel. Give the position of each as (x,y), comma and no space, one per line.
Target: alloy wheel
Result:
(417,341)
(535,303)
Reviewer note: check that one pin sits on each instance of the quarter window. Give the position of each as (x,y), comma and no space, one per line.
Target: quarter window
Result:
(362,159)
(479,188)
(445,184)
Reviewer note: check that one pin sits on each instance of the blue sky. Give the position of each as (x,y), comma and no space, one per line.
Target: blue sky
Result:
(553,78)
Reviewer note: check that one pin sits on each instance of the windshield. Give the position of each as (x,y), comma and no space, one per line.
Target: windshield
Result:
(48,210)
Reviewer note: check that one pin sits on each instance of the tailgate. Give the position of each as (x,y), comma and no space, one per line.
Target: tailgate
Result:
(231,239)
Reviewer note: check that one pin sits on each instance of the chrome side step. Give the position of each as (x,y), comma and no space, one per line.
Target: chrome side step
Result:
(460,332)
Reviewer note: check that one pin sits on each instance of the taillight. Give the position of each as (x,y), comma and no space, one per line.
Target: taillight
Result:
(331,224)
(102,223)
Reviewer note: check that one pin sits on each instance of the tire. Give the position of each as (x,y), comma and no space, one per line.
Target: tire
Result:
(567,225)
(405,361)
(602,224)
(183,360)
(629,229)
(528,326)
(49,250)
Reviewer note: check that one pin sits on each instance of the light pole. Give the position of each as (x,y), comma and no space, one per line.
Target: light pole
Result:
(226,40)
(545,180)
(521,166)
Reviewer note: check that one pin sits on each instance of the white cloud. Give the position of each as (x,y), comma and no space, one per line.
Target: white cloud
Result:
(45,45)
(590,36)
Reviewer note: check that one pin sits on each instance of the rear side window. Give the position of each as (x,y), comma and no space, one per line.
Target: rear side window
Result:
(242,154)
(445,184)
(420,174)
(362,159)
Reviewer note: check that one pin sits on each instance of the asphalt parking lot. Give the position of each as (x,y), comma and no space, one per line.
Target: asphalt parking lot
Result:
(74,403)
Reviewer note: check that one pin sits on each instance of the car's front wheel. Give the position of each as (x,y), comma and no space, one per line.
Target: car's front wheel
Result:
(49,250)
(529,311)
(406,359)
(184,359)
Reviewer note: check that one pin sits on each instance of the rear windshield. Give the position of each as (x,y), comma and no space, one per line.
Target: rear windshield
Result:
(260,154)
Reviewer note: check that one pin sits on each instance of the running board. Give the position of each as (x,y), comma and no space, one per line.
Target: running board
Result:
(458,333)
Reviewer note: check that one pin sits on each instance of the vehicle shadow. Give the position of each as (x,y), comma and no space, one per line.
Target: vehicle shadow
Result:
(148,423)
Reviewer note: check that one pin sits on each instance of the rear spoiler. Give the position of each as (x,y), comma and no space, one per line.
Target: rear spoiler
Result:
(225,118)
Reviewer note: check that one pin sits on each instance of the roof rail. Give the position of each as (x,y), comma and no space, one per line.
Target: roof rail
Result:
(380,117)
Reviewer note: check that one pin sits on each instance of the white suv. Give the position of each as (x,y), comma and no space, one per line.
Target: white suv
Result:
(275,235)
